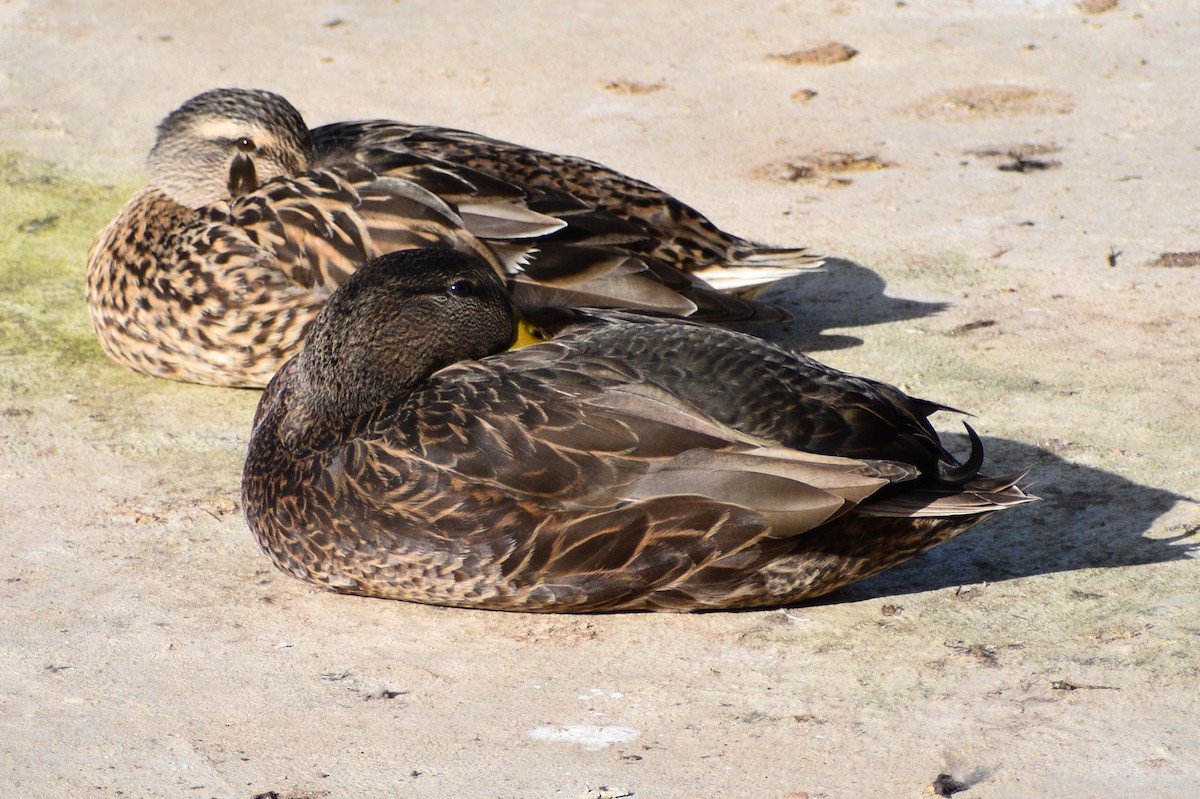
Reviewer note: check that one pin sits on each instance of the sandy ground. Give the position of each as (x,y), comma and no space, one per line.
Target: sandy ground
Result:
(997,182)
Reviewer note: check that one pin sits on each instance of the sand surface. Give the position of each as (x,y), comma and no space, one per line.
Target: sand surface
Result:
(997,183)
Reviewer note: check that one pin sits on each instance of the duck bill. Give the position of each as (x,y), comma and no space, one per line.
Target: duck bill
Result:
(243,178)
(524,333)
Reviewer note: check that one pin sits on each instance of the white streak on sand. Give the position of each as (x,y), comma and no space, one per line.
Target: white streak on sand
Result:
(588,736)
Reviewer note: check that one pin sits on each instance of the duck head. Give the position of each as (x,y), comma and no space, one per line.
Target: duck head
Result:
(226,142)
(396,321)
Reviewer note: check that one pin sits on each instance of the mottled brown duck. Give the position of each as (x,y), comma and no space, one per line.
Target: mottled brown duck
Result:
(623,464)
(213,272)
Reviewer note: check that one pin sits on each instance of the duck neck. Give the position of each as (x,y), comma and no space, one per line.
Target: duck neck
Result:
(341,383)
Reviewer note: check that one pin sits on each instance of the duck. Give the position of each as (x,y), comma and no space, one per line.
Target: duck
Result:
(620,462)
(248,222)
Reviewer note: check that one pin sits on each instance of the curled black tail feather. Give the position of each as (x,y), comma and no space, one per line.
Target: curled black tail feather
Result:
(964,472)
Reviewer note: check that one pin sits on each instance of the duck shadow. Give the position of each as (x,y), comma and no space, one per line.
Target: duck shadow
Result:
(1087,519)
(842,294)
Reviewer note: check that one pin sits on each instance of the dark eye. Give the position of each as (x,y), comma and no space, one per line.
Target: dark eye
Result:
(245,144)
(462,288)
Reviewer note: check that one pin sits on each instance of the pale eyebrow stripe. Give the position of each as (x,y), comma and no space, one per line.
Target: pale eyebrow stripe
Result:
(229,129)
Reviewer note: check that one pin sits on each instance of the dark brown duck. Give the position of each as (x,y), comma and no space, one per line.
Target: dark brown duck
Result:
(623,465)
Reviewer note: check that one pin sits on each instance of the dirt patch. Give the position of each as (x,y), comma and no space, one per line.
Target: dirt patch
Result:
(991,102)
(631,87)
(1025,157)
(1176,260)
(824,169)
(826,54)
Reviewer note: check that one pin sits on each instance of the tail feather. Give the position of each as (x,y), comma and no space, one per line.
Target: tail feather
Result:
(783,257)
(980,496)
(749,272)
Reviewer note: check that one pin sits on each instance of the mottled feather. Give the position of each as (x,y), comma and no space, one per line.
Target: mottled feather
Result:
(249,221)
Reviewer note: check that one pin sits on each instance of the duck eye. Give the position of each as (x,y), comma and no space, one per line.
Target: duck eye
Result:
(245,144)
(462,288)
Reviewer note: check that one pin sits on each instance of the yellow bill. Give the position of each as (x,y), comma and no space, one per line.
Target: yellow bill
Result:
(526,333)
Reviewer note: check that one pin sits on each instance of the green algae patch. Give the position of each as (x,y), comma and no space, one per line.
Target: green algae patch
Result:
(47,221)
(51,365)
